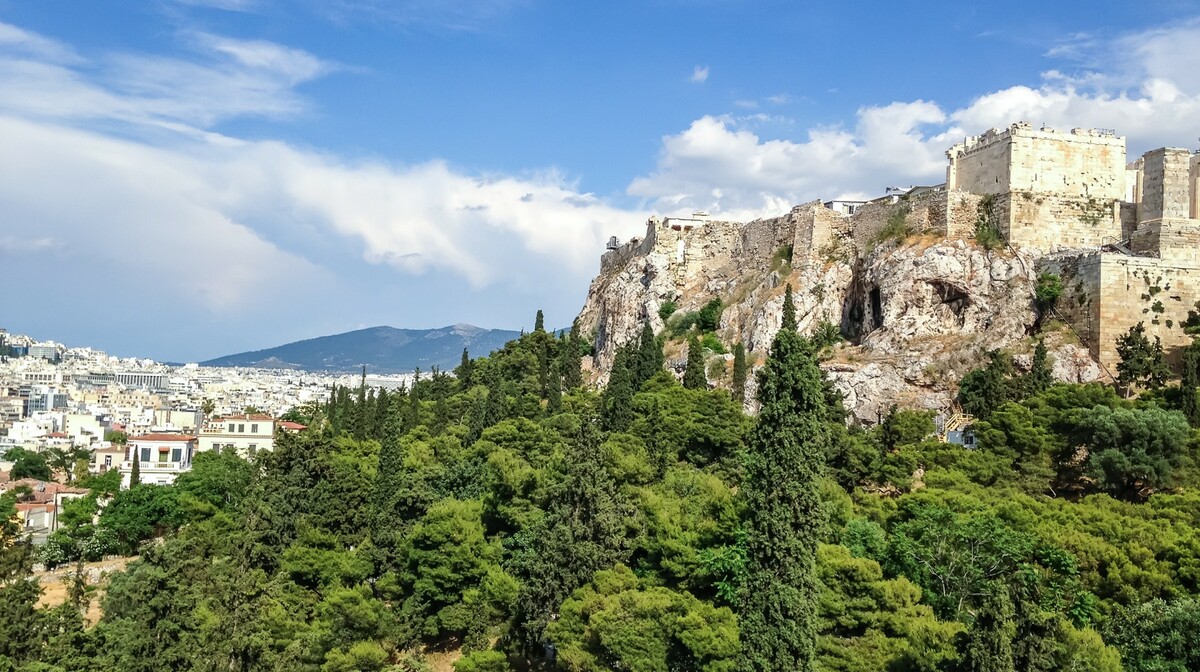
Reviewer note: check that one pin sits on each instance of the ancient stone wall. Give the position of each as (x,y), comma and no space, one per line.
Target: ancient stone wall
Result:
(1079,304)
(1194,181)
(613,260)
(762,238)
(1166,185)
(691,245)
(1083,163)
(1057,221)
(817,229)
(1173,240)
(962,213)
(1105,293)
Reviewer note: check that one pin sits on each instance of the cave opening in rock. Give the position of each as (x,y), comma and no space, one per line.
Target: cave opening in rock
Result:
(876,308)
(953,297)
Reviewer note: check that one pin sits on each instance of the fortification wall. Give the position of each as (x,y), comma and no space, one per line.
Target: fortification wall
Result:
(1194,181)
(1105,294)
(1082,163)
(762,238)
(1056,221)
(693,244)
(1079,303)
(817,230)
(1172,240)
(1166,185)
(612,260)
(981,164)
(962,213)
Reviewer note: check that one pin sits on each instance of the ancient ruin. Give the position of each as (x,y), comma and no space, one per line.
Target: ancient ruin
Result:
(906,278)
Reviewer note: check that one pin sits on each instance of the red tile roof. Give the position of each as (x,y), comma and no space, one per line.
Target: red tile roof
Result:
(294,426)
(57,435)
(163,437)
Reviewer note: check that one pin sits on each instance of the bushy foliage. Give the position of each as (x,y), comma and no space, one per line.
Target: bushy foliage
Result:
(625,529)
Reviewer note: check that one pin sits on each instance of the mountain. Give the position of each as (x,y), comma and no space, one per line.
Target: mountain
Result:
(382,349)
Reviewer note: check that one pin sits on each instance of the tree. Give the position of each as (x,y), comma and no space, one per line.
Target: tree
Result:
(1040,376)
(789,310)
(1189,383)
(464,371)
(709,317)
(63,459)
(740,373)
(649,357)
(616,404)
(787,447)
(983,390)
(1049,288)
(27,464)
(539,323)
(571,366)
(1142,363)
(135,472)
(554,388)
(694,377)
(207,407)
(1157,636)
(583,532)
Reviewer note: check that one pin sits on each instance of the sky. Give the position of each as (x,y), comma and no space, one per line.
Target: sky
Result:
(185,179)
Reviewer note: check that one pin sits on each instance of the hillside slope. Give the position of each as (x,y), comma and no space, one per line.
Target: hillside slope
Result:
(381,349)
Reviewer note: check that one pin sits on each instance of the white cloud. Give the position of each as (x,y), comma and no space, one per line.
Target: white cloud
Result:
(699,74)
(21,41)
(1143,85)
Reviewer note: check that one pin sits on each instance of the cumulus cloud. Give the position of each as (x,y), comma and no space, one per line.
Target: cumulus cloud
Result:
(1143,85)
(699,74)
(123,171)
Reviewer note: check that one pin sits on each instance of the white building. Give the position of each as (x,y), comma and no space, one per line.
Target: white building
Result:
(162,457)
(247,434)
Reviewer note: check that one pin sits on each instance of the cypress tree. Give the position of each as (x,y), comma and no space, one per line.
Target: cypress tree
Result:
(539,324)
(650,356)
(789,310)
(464,371)
(693,375)
(584,533)
(135,472)
(778,601)
(382,407)
(543,354)
(740,371)
(1040,377)
(1189,382)
(616,404)
(554,389)
(572,373)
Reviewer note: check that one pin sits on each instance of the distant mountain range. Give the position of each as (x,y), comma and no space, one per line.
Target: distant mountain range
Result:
(382,349)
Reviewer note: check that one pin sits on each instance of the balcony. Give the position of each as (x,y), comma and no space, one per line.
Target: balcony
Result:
(146,467)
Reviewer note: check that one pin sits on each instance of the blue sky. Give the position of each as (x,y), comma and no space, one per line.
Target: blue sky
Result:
(186,179)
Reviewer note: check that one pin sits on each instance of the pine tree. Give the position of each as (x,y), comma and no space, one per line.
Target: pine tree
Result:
(539,324)
(1040,377)
(990,641)
(789,310)
(1142,363)
(778,601)
(616,404)
(572,371)
(693,376)
(740,373)
(650,356)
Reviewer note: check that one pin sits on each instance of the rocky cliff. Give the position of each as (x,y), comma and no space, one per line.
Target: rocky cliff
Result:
(915,314)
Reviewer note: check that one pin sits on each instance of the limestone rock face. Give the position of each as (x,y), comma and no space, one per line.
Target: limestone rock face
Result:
(916,317)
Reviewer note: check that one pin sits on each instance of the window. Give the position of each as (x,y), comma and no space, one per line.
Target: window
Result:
(145,454)
(163,455)
(253,449)
(241,429)
(254,428)
(108,460)
(176,454)
(231,426)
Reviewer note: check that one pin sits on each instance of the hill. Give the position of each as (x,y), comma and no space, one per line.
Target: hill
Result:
(382,349)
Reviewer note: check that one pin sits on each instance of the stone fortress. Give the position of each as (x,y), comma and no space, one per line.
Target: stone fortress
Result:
(1123,237)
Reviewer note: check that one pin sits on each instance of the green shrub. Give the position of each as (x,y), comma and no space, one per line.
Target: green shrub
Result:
(666,310)
(710,342)
(710,316)
(1049,288)
(896,229)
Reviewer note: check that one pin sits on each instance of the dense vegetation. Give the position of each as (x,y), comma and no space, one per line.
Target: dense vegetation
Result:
(513,514)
